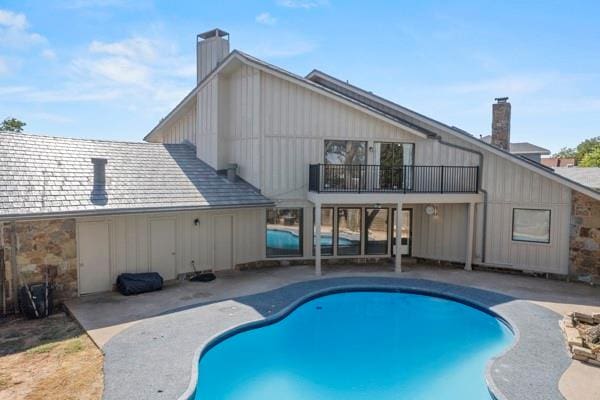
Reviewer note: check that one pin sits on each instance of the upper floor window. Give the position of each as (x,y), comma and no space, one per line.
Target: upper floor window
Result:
(345,152)
(531,225)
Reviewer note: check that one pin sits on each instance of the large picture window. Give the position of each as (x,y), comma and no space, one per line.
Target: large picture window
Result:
(345,152)
(531,225)
(284,232)
(326,232)
(349,231)
(376,230)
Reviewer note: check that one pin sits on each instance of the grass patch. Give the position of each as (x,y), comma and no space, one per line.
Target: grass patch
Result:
(74,346)
(43,348)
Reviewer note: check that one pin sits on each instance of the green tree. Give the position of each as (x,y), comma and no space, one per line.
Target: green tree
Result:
(591,159)
(12,125)
(586,147)
(566,152)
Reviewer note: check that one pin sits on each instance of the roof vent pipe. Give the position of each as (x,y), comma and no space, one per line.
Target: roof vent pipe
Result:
(99,171)
(232,172)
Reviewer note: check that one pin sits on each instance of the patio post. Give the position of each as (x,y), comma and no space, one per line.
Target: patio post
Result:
(398,261)
(317,242)
(470,232)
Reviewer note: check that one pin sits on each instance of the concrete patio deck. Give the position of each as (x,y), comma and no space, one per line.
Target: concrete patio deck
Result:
(107,315)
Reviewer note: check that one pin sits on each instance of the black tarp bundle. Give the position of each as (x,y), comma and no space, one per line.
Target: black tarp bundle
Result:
(128,284)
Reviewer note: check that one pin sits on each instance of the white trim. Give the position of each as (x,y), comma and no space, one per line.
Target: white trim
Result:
(393,198)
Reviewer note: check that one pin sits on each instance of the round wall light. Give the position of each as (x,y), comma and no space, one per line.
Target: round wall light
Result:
(431,210)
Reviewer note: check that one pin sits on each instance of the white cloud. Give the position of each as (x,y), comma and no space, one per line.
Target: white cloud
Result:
(138,48)
(306,4)
(13,20)
(266,19)
(14,31)
(138,72)
(48,54)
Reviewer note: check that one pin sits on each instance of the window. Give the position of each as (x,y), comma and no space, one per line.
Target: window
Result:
(376,230)
(284,232)
(339,153)
(326,232)
(531,225)
(345,152)
(349,231)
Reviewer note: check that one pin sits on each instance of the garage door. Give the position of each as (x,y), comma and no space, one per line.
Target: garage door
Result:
(94,257)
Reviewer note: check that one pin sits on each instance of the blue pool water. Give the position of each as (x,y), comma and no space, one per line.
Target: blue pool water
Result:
(359,345)
(280,239)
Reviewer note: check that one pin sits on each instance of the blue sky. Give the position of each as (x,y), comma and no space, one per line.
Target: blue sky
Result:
(111,69)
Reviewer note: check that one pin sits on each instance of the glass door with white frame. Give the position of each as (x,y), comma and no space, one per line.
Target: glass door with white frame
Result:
(405,232)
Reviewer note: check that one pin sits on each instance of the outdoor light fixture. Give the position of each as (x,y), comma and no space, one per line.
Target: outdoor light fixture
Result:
(431,210)
(197,221)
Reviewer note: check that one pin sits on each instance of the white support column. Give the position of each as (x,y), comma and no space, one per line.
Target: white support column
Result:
(398,237)
(470,232)
(317,239)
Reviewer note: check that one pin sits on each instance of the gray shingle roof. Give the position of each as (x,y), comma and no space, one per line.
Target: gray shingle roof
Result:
(589,177)
(521,147)
(53,175)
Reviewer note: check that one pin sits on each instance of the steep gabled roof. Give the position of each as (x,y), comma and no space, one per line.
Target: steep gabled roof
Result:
(307,83)
(521,147)
(43,175)
(433,125)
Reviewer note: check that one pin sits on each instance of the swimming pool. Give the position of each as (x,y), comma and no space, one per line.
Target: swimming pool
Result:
(282,239)
(357,345)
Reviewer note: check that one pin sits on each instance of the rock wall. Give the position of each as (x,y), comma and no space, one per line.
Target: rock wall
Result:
(40,246)
(584,256)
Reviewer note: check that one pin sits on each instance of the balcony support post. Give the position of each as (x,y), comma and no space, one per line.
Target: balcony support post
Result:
(470,232)
(317,239)
(398,260)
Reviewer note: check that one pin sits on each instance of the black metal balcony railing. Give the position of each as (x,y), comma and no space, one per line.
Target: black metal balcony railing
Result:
(403,179)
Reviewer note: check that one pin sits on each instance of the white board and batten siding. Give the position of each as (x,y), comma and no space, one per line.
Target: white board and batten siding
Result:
(146,242)
(274,128)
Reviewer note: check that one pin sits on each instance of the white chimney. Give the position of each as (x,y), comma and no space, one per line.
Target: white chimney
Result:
(211,48)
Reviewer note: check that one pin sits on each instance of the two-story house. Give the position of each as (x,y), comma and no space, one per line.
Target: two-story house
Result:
(259,165)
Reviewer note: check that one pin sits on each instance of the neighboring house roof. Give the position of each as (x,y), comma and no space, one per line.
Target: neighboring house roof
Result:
(521,147)
(558,162)
(42,175)
(586,176)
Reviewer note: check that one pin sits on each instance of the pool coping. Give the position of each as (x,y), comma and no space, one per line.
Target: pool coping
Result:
(513,374)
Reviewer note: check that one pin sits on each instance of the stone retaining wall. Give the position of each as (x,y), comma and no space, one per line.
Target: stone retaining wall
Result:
(41,245)
(584,255)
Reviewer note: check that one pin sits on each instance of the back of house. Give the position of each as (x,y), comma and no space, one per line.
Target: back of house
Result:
(259,166)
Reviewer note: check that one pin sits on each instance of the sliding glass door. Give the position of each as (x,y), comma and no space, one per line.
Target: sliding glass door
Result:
(393,160)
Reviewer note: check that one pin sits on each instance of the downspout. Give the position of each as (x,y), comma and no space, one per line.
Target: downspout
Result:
(479,180)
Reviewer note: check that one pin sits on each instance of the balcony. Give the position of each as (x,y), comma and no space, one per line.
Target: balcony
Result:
(332,178)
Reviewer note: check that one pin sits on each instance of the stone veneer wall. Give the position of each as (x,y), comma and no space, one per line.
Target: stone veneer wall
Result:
(584,255)
(41,245)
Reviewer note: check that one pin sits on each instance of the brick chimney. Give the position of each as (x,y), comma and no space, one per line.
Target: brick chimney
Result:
(501,123)
(211,48)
